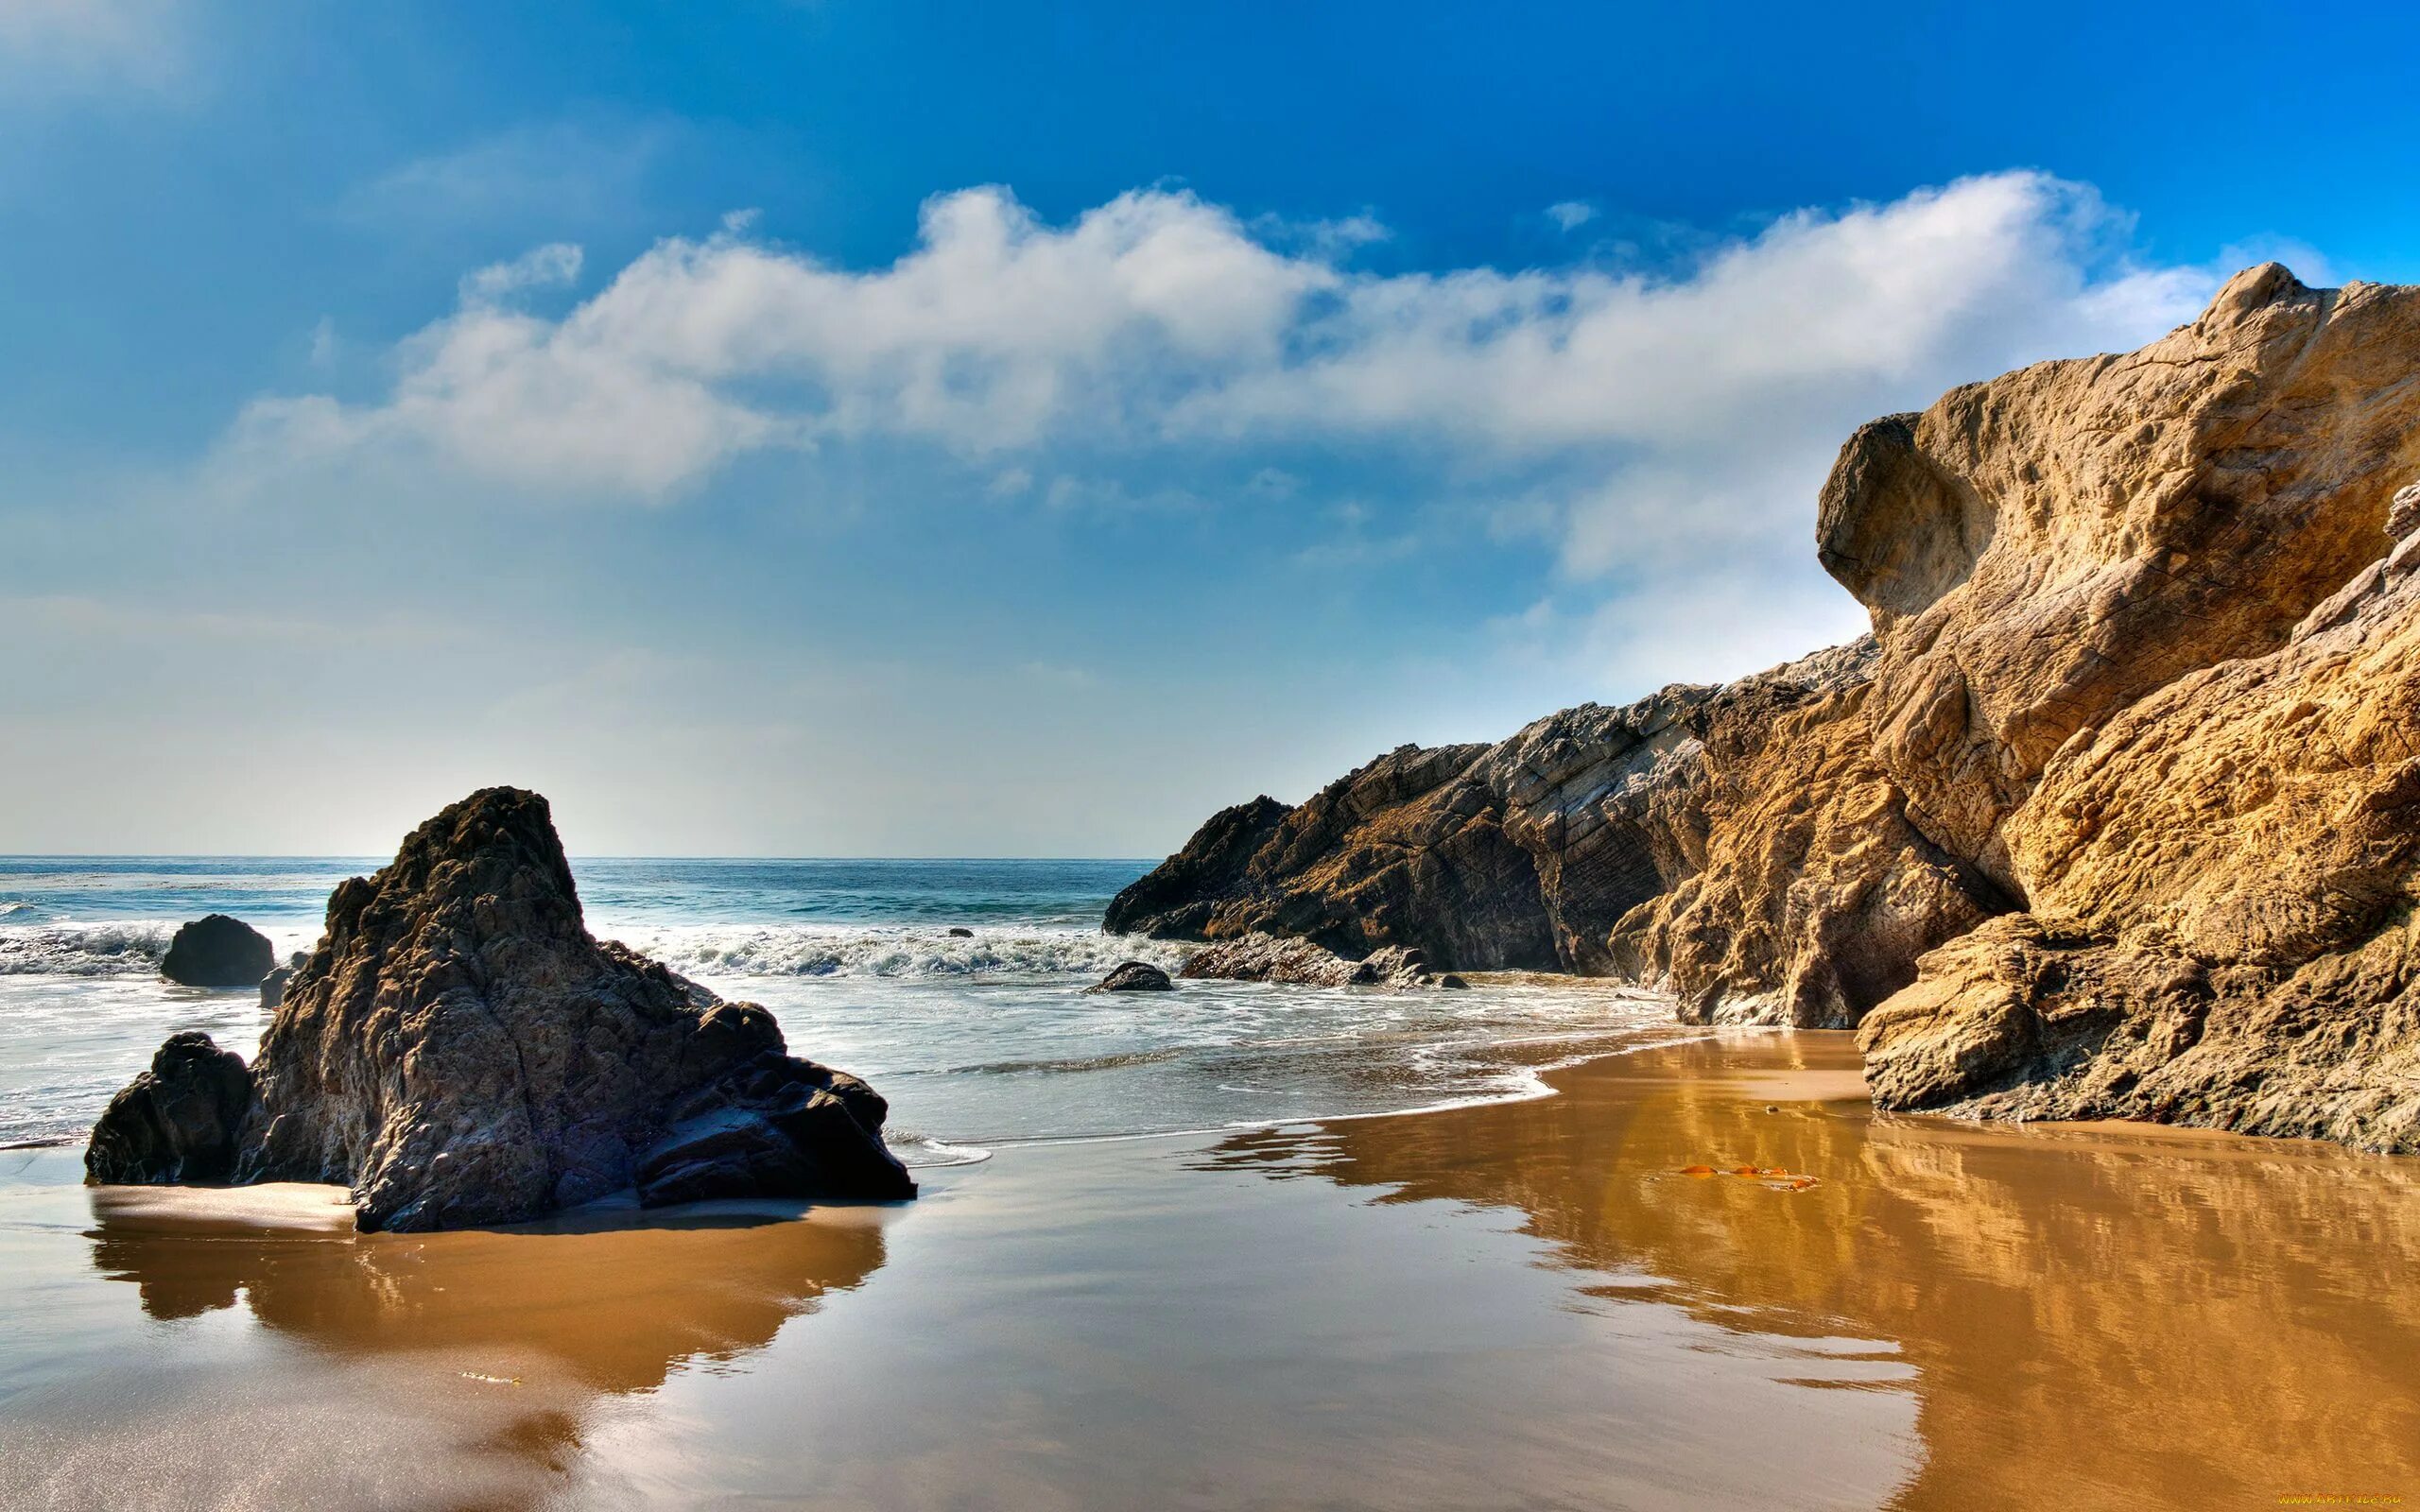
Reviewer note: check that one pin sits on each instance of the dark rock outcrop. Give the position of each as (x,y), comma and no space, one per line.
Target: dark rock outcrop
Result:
(1257,957)
(460,1052)
(1134,976)
(217,951)
(2117,814)
(960,932)
(1664,841)
(178,1122)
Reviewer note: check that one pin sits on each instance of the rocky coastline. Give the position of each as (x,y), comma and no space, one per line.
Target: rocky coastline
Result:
(2115,814)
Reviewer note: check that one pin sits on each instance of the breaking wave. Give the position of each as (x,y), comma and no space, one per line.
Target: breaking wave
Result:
(807,949)
(83,950)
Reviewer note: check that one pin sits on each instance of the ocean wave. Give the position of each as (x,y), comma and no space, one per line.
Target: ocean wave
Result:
(83,950)
(811,950)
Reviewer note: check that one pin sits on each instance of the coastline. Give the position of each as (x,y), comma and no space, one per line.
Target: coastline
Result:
(1952,1315)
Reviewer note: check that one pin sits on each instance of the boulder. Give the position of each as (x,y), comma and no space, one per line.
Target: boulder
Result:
(1134,976)
(217,951)
(960,932)
(178,1122)
(460,1051)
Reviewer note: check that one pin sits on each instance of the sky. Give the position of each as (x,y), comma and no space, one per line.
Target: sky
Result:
(900,429)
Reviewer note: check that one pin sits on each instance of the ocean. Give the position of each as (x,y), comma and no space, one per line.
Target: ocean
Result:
(978,1040)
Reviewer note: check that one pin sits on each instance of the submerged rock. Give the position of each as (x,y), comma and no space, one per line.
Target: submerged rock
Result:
(1271,958)
(460,1052)
(1134,976)
(217,951)
(178,1122)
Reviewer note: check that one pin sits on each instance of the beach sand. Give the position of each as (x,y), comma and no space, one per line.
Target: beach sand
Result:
(1522,1305)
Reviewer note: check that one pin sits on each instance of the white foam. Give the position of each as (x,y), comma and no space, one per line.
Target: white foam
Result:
(827,949)
(114,948)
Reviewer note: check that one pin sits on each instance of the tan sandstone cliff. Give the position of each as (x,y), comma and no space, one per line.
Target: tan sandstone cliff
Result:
(2114,815)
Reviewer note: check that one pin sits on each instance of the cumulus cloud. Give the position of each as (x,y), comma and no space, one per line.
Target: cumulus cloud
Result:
(1570,215)
(1646,420)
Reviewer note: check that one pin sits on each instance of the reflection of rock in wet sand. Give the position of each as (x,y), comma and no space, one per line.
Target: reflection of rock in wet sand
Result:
(495,1345)
(2099,1317)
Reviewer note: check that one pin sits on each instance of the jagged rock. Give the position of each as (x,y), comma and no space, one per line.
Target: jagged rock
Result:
(217,951)
(274,985)
(1134,976)
(1258,957)
(178,1122)
(460,1052)
(1662,841)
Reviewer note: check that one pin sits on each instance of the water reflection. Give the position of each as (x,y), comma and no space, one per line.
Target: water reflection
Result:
(475,1358)
(2103,1316)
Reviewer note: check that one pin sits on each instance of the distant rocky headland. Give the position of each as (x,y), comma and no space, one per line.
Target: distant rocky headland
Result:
(2114,815)
(460,1051)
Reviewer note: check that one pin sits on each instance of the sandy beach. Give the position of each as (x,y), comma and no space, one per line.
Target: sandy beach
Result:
(1528,1304)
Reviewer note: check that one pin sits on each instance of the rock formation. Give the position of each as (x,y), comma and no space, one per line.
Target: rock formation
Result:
(1258,957)
(1666,841)
(460,1052)
(2168,693)
(2114,814)
(1134,976)
(217,951)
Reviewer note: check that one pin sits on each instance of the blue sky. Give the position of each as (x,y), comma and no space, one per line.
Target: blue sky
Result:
(852,428)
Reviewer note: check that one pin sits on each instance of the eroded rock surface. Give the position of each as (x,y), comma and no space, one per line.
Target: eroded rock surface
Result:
(1666,841)
(2217,861)
(460,1052)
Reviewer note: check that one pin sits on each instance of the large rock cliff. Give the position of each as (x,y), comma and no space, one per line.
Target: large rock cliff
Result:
(460,1052)
(2116,813)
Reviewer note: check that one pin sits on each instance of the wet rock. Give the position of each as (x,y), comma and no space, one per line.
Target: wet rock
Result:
(960,932)
(217,951)
(1134,976)
(178,1122)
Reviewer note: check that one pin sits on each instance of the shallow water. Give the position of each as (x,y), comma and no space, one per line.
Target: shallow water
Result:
(1518,1305)
(976,1039)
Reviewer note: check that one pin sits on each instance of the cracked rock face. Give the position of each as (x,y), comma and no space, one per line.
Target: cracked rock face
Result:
(460,1052)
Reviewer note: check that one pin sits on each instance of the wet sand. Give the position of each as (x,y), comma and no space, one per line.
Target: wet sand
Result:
(1525,1305)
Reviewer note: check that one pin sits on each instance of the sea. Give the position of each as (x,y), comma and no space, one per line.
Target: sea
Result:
(980,1040)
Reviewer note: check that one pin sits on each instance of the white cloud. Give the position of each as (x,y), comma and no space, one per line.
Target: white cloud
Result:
(62,47)
(553,265)
(1571,213)
(1666,421)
